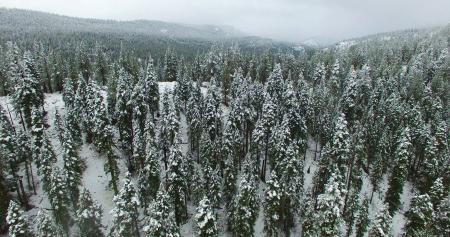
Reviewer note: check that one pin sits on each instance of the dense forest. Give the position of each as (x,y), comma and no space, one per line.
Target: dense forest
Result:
(220,139)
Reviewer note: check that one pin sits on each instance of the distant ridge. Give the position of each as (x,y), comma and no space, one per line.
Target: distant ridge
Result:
(32,21)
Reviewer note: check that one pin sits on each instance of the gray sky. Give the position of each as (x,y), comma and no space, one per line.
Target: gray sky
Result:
(293,20)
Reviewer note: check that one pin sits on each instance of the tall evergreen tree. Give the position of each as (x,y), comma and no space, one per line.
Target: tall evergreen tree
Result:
(243,214)
(59,200)
(206,221)
(17,221)
(176,183)
(161,220)
(419,216)
(382,224)
(125,212)
(45,225)
(88,215)
(399,172)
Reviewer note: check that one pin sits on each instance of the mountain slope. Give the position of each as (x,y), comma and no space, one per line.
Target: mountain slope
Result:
(34,21)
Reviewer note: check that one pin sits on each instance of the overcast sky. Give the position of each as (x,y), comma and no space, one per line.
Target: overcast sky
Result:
(293,20)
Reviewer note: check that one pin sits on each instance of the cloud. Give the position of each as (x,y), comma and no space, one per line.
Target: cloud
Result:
(293,20)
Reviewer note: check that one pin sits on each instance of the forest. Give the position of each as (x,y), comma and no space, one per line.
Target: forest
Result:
(201,137)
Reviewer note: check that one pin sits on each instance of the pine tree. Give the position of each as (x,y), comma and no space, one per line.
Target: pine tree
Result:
(176,183)
(72,126)
(17,221)
(80,106)
(37,133)
(206,221)
(194,117)
(59,200)
(68,93)
(340,145)
(149,175)
(125,212)
(243,214)
(328,204)
(45,225)
(59,125)
(170,65)
(27,94)
(140,108)
(169,125)
(151,88)
(212,185)
(419,216)
(441,220)
(72,169)
(363,220)
(399,172)
(88,215)
(161,220)
(263,129)
(308,221)
(46,159)
(437,192)
(124,111)
(212,123)
(381,225)
(272,206)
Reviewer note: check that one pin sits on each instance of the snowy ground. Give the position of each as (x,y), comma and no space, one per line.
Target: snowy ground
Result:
(96,181)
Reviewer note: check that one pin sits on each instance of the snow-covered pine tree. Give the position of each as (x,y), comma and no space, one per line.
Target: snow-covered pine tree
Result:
(140,108)
(68,93)
(170,65)
(37,134)
(27,94)
(46,159)
(274,86)
(363,221)
(205,218)
(80,105)
(124,111)
(176,182)
(441,219)
(349,99)
(243,214)
(45,225)
(161,220)
(125,213)
(17,221)
(399,172)
(212,185)
(272,206)
(194,117)
(329,203)
(335,80)
(263,129)
(151,88)
(89,215)
(419,216)
(149,175)
(340,145)
(229,183)
(212,123)
(59,125)
(93,102)
(169,125)
(23,151)
(437,192)
(72,169)
(72,126)
(382,224)
(59,200)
